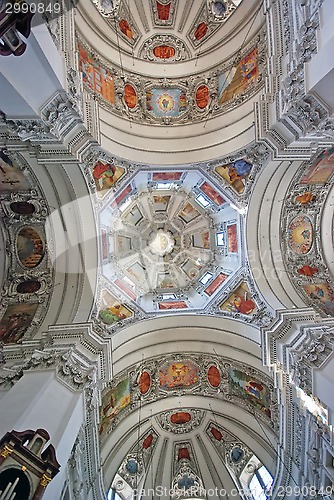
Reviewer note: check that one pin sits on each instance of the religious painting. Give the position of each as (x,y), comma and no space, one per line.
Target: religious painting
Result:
(212,194)
(16,321)
(144,382)
(121,197)
(95,77)
(161,102)
(134,216)
(104,244)
(11,177)
(251,390)
(30,247)
(238,79)
(201,240)
(22,207)
(200,31)
(300,234)
(240,301)
(29,286)
(111,310)
(178,374)
(164,51)
(123,244)
(164,280)
(160,203)
(322,295)
(113,401)
(167,176)
(232,238)
(188,213)
(179,418)
(106,175)
(236,174)
(122,286)
(218,8)
(202,96)
(305,198)
(321,170)
(137,272)
(172,304)
(214,376)
(191,269)
(163,11)
(210,290)
(307,270)
(126,29)
(130,96)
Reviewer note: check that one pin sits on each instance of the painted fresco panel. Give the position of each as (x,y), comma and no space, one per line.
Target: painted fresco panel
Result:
(191,268)
(188,213)
(104,241)
(321,170)
(106,175)
(236,174)
(122,286)
(179,374)
(300,233)
(16,321)
(162,102)
(111,310)
(238,79)
(210,290)
(115,400)
(130,96)
(212,193)
(240,301)
(322,295)
(202,96)
(251,390)
(167,176)
(160,203)
(11,177)
(137,272)
(123,194)
(201,240)
(172,304)
(97,78)
(30,247)
(232,238)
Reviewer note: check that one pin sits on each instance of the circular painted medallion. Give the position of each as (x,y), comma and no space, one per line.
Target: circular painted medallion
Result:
(29,286)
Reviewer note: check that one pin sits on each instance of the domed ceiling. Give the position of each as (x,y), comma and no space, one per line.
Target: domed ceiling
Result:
(173,244)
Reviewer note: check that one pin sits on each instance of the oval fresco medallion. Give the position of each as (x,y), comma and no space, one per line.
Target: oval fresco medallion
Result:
(181,417)
(216,434)
(164,51)
(30,247)
(300,232)
(22,207)
(130,96)
(29,286)
(202,96)
(144,382)
(214,377)
(179,374)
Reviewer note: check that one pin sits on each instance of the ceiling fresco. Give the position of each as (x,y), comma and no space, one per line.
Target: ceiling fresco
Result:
(28,278)
(172,100)
(306,263)
(182,374)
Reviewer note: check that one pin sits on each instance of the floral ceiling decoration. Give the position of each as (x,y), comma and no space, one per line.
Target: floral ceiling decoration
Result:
(28,278)
(238,384)
(308,258)
(167,101)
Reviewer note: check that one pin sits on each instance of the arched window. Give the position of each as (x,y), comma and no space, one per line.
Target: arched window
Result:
(260,484)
